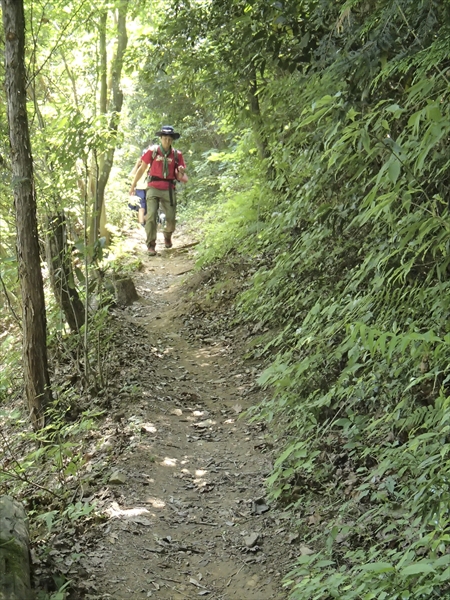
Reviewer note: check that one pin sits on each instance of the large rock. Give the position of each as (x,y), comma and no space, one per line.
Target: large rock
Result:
(14,551)
(125,292)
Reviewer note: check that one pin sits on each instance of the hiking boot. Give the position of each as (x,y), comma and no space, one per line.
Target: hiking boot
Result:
(168,240)
(152,249)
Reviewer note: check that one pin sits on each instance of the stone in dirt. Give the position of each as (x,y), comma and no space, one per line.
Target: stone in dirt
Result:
(118,478)
(251,540)
(125,291)
(259,506)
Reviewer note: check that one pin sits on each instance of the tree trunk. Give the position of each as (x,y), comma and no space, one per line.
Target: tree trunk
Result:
(258,127)
(35,366)
(14,551)
(60,271)
(98,219)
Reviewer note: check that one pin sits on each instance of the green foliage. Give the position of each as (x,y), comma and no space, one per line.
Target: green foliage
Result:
(46,470)
(11,354)
(237,202)
(58,595)
(73,512)
(59,446)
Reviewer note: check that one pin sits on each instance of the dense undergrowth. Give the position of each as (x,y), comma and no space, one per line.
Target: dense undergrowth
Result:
(352,239)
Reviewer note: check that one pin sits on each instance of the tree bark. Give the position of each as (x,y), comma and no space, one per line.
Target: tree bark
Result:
(258,125)
(98,219)
(35,365)
(60,271)
(14,551)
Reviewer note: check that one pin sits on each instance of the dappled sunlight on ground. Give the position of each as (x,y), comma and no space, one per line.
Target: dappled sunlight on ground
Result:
(169,462)
(149,427)
(115,512)
(155,502)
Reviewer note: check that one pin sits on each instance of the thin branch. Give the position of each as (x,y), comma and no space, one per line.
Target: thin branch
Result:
(56,45)
(23,478)
(9,302)
(15,475)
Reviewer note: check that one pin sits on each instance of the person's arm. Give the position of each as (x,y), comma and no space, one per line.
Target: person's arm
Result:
(181,170)
(136,166)
(141,170)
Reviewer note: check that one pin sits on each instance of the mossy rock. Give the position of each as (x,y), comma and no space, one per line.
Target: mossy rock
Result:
(14,551)
(125,292)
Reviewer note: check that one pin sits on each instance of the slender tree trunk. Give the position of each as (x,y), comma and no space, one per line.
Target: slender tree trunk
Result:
(103,77)
(105,162)
(103,74)
(258,126)
(60,270)
(36,377)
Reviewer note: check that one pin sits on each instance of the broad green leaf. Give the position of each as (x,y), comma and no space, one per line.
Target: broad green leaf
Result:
(378,567)
(324,101)
(433,113)
(417,569)
(414,121)
(365,139)
(394,169)
(312,118)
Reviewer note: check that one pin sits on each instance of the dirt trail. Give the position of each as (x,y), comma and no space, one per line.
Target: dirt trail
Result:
(185,498)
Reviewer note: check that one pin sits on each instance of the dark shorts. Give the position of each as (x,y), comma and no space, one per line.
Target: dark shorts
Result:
(143,201)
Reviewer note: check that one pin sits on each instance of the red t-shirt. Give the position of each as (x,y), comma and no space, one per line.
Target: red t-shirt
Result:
(157,166)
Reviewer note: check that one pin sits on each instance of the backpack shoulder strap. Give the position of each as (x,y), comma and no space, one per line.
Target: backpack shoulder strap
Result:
(175,157)
(152,158)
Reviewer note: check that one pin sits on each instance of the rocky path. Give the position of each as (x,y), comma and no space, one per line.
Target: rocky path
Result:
(185,505)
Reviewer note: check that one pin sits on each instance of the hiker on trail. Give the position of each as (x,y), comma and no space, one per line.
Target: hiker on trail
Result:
(140,192)
(166,166)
